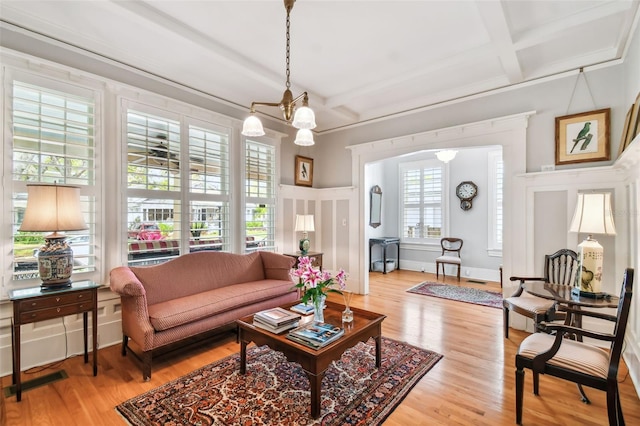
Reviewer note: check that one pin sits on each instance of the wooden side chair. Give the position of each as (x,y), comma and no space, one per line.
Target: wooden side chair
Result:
(450,255)
(560,267)
(577,361)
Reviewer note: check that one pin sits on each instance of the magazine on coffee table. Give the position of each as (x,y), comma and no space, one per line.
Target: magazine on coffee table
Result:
(303,308)
(277,330)
(315,334)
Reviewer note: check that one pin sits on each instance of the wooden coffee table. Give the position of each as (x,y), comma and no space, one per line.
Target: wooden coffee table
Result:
(315,362)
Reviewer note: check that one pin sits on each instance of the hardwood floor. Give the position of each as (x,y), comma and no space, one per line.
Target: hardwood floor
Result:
(472,384)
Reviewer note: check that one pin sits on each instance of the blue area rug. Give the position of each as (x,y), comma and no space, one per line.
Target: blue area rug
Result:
(461,294)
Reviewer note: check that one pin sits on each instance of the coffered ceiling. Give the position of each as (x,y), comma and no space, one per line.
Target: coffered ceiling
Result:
(359,60)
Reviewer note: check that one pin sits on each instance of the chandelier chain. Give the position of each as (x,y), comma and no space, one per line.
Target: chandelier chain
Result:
(288,84)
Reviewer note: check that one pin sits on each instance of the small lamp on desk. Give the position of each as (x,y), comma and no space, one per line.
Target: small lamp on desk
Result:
(304,223)
(592,216)
(53,208)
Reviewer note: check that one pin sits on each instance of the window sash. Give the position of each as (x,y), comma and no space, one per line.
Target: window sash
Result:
(53,135)
(260,202)
(190,204)
(422,195)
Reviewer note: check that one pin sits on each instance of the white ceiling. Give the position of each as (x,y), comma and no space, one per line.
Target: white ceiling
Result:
(359,60)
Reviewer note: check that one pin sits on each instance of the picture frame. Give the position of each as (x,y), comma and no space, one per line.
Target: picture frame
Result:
(303,171)
(583,137)
(624,138)
(633,128)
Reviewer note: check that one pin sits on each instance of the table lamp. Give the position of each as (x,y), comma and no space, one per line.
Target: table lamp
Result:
(592,216)
(304,223)
(53,208)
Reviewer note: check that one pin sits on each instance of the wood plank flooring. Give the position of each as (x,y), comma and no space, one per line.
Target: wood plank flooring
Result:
(472,385)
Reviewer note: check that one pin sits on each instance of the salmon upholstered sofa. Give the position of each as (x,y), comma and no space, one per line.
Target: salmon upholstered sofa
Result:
(195,293)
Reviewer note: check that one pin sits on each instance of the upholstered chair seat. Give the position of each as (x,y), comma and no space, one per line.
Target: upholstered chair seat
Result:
(572,355)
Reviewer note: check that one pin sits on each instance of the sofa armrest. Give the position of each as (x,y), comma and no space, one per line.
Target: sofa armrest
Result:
(123,281)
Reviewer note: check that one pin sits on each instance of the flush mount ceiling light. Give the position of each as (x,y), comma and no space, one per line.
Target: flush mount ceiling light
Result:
(446,155)
(304,118)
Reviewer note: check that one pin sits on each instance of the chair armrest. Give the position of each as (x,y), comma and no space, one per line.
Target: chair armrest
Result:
(564,308)
(522,279)
(568,329)
(520,288)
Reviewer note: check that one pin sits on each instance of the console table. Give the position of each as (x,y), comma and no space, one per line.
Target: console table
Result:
(384,242)
(316,256)
(35,304)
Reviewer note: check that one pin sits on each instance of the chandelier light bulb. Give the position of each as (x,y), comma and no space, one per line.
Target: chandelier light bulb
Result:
(304,137)
(252,126)
(304,118)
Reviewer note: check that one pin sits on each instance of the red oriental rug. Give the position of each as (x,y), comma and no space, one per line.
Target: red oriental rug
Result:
(276,392)
(462,294)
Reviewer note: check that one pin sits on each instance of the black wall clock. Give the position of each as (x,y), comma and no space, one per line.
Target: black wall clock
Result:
(466,191)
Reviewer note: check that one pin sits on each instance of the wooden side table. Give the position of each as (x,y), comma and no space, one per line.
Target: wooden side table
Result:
(34,304)
(317,258)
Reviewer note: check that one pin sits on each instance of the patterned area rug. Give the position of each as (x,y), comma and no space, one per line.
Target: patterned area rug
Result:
(276,392)
(461,294)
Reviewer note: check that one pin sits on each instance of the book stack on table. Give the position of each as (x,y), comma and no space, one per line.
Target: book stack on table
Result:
(315,334)
(276,320)
(303,308)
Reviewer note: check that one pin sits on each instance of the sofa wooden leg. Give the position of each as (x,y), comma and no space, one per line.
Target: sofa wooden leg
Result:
(146,365)
(125,342)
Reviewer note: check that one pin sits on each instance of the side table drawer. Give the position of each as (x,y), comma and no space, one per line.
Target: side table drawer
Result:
(55,300)
(55,312)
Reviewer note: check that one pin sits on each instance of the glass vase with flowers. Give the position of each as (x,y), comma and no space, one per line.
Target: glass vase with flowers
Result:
(315,284)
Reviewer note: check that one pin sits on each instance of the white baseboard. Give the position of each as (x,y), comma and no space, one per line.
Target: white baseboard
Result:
(474,273)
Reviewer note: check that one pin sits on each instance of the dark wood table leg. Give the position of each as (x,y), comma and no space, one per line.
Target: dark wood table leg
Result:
(94,320)
(378,350)
(243,355)
(315,384)
(85,324)
(16,361)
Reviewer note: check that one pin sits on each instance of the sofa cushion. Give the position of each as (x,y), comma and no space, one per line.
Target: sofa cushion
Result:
(183,310)
(196,273)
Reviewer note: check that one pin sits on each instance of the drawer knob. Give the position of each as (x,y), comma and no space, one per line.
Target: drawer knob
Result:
(57,299)
(58,309)
(80,296)
(33,303)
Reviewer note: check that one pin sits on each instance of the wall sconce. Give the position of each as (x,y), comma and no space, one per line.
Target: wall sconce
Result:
(446,155)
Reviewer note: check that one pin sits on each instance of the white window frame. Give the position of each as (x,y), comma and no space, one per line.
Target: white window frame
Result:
(495,202)
(270,242)
(444,203)
(184,196)
(62,81)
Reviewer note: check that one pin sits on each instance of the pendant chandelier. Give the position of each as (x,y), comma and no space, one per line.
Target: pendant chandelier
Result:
(304,119)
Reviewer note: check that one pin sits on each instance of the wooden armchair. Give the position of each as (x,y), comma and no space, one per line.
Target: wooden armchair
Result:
(577,361)
(559,268)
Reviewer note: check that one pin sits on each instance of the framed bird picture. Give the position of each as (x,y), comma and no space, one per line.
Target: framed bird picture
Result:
(304,171)
(583,137)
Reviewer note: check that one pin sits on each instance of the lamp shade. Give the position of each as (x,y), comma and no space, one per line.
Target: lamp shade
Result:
(304,137)
(252,126)
(304,118)
(593,215)
(446,155)
(304,223)
(53,208)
